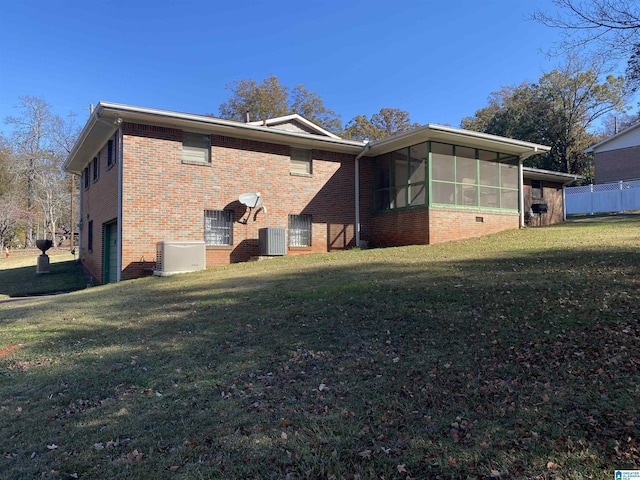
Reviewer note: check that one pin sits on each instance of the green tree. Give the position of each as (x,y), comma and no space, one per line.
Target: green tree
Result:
(310,106)
(559,110)
(387,122)
(269,99)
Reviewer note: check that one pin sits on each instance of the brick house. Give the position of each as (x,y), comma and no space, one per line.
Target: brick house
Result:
(618,157)
(545,187)
(150,176)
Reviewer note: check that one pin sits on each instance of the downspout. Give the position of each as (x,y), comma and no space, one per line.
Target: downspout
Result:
(521,192)
(523,157)
(357,191)
(119,156)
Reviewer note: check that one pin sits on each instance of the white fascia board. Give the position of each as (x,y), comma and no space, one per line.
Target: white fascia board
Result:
(457,136)
(550,175)
(107,116)
(92,138)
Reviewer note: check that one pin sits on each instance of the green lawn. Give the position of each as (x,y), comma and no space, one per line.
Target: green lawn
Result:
(513,356)
(18,277)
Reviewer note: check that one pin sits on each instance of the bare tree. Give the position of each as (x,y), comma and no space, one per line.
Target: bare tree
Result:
(613,24)
(41,141)
(609,28)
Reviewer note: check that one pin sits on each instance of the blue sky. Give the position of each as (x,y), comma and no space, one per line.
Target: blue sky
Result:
(437,60)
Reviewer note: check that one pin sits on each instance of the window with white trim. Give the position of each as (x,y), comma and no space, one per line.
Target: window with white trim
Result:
(300,162)
(299,230)
(218,227)
(196,148)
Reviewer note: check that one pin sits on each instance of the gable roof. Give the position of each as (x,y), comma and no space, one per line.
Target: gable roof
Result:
(293,123)
(629,137)
(107,117)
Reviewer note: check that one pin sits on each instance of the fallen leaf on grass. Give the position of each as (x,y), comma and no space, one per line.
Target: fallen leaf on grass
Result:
(173,468)
(401,469)
(53,446)
(553,466)
(365,454)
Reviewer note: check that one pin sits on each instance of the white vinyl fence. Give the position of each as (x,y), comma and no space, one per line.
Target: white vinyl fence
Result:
(603,197)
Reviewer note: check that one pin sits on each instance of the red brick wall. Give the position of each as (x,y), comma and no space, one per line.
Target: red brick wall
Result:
(435,225)
(552,196)
(100,204)
(164,199)
(616,165)
(401,227)
(447,224)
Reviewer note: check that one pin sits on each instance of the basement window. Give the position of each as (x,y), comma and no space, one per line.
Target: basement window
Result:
(299,230)
(218,228)
(90,236)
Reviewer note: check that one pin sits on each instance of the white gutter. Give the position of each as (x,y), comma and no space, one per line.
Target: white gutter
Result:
(357,191)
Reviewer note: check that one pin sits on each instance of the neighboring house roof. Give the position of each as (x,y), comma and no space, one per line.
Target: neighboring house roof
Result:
(549,175)
(294,123)
(107,117)
(629,137)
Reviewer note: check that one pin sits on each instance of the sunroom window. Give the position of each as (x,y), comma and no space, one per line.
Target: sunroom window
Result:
(460,176)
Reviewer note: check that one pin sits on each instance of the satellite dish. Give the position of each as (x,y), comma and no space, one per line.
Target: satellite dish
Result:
(251,199)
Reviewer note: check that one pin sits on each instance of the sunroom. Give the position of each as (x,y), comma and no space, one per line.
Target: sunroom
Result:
(438,183)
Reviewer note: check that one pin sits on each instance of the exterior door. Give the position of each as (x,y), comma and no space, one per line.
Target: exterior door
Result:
(110,252)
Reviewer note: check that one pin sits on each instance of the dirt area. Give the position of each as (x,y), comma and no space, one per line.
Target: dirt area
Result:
(8,350)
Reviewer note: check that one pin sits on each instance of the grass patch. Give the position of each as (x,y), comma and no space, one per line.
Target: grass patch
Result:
(18,276)
(511,356)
